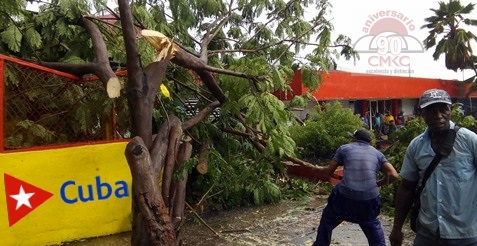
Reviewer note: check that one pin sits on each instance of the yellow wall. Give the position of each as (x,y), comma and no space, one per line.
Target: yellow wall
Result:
(55,220)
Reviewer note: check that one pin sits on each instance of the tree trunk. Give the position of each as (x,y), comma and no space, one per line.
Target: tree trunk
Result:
(157,215)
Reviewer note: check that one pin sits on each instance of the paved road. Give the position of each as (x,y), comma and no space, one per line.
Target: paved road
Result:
(289,223)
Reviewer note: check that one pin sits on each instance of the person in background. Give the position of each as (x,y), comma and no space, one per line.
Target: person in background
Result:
(378,121)
(365,120)
(356,198)
(392,127)
(449,199)
(388,118)
(400,118)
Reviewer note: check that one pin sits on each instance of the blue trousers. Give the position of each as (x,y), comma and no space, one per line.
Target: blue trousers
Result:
(364,213)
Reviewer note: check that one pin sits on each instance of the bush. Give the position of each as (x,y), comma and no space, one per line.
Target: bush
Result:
(325,131)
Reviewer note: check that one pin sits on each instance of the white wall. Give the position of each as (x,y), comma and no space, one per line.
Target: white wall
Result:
(408,106)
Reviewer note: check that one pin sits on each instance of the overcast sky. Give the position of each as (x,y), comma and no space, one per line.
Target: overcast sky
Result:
(398,29)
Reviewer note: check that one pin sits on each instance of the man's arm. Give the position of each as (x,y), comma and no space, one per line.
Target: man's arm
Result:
(329,169)
(390,174)
(402,205)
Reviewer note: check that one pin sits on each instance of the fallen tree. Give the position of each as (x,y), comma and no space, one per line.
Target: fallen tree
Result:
(213,51)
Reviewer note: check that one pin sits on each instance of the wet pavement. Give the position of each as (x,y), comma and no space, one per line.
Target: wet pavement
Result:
(285,223)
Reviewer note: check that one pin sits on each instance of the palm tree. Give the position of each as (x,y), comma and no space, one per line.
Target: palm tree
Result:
(456,41)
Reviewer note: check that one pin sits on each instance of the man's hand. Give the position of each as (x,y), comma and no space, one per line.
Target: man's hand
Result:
(396,237)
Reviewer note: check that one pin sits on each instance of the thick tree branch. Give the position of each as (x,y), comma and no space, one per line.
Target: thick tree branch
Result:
(179,188)
(100,67)
(187,60)
(161,142)
(142,85)
(172,150)
(129,35)
(203,164)
(237,133)
(78,70)
(307,164)
(155,72)
(205,112)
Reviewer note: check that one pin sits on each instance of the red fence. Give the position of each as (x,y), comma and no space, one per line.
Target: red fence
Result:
(43,107)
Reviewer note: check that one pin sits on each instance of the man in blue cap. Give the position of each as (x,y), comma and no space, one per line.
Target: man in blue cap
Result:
(447,215)
(356,198)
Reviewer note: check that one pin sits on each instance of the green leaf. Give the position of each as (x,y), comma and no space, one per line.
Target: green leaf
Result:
(309,77)
(12,37)
(33,38)
(297,102)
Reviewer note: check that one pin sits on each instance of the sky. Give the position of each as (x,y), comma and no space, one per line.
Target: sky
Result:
(392,27)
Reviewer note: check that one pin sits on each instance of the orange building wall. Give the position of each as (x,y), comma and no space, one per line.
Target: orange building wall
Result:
(338,85)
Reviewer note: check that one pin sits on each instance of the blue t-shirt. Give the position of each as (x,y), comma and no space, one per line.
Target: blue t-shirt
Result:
(449,199)
(377,120)
(361,163)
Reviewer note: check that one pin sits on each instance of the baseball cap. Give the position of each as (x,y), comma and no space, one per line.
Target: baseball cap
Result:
(361,134)
(434,96)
